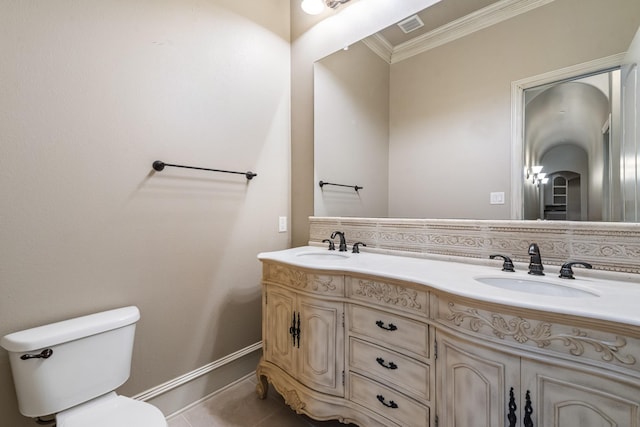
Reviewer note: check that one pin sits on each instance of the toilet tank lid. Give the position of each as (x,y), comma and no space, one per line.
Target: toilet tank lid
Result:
(69,330)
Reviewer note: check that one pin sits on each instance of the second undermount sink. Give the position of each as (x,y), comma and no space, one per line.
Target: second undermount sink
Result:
(533,286)
(323,256)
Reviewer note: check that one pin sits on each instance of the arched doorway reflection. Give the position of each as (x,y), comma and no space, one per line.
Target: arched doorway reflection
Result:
(564,127)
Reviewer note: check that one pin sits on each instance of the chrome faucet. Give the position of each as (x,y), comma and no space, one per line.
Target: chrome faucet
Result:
(343,241)
(535,265)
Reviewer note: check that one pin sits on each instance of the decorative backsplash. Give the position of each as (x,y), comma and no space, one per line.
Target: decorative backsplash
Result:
(607,246)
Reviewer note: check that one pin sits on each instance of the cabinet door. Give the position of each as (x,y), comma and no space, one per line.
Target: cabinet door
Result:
(320,358)
(474,384)
(278,315)
(573,398)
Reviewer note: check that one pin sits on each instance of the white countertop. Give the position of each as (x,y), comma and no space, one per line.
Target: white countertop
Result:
(611,300)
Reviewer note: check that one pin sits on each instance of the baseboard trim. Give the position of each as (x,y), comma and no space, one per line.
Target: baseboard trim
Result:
(209,396)
(197,373)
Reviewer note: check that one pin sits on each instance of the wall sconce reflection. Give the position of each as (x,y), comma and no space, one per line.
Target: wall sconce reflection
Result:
(537,176)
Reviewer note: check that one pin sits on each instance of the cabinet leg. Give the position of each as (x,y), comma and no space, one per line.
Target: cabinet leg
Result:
(262,387)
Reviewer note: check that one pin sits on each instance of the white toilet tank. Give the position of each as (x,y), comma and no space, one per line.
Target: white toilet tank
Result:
(89,356)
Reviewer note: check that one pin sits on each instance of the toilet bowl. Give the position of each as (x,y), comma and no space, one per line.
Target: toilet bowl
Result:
(111,410)
(71,369)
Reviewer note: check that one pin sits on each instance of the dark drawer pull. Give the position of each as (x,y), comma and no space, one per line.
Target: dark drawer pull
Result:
(381,325)
(391,404)
(389,365)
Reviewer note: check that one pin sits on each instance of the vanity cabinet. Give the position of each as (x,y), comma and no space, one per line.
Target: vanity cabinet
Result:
(303,329)
(382,352)
(474,384)
(390,350)
(347,347)
(482,387)
(525,370)
(304,336)
(571,397)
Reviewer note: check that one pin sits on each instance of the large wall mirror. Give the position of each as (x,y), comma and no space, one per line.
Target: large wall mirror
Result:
(425,121)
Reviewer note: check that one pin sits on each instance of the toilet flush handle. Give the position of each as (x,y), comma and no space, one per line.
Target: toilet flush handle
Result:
(44,354)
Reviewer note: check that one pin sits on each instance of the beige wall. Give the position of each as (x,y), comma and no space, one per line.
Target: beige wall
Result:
(92,93)
(351,110)
(451,111)
(311,41)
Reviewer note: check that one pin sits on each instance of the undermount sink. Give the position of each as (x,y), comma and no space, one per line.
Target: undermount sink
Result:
(323,256)
(530,286)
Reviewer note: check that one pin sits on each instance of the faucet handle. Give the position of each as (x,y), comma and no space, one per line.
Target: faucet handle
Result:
(356,247)
(507,265)
(332,246)
(566,272)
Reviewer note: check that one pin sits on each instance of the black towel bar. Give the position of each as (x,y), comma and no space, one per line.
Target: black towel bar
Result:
(158,165)
(355,187)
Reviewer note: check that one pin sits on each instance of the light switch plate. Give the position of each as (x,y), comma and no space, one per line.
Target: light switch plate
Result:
(496,198)
(282,224)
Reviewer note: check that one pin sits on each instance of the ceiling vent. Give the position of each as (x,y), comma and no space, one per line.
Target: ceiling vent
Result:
(412,23)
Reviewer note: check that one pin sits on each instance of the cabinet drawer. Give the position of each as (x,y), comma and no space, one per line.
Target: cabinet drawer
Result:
(387,402)
(390,367)
(392,330)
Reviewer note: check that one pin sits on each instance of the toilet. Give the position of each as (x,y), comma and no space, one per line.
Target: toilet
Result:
(70,369)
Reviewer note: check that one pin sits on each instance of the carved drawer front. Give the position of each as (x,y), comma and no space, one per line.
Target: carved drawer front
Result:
(387,402)
(388,295)
(394,331)
(609,350)
(322,284)
(391,368)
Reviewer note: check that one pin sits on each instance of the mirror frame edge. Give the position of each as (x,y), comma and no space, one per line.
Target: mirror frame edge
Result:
(517,117)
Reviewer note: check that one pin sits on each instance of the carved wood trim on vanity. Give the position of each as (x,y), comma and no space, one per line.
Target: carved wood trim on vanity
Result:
(590,341)
(395,295)
(304,280)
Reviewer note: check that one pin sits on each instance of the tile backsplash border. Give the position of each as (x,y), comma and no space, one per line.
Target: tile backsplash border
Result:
(607,246)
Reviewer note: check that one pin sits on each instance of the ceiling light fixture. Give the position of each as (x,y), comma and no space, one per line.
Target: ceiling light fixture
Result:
(315,7)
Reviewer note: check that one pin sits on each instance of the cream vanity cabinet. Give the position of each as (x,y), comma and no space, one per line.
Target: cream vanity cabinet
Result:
(500,367)
(380,352)
(303,330)
(390,350)
(474,383)
(348,347)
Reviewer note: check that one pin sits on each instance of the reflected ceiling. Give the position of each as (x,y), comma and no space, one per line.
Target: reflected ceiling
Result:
(434,17)
(566,113)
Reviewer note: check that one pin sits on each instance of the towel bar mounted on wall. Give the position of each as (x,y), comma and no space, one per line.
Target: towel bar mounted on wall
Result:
(355,187)
(158,165)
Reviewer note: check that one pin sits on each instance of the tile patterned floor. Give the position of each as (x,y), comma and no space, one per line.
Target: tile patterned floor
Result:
(239,406)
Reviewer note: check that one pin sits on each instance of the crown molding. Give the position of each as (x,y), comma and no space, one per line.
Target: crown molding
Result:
(476,21)
(380,46)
